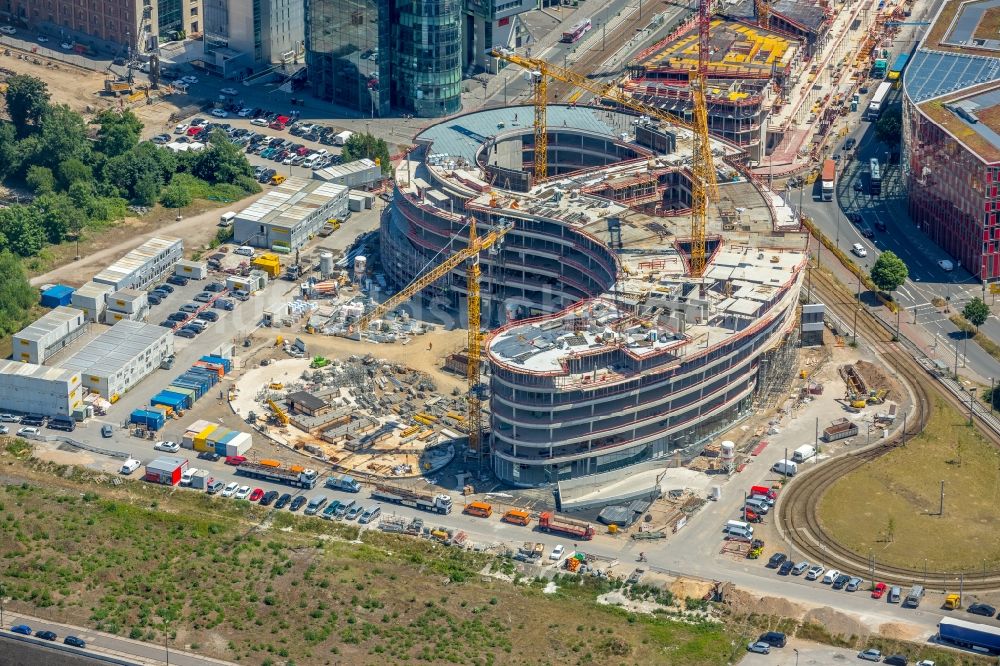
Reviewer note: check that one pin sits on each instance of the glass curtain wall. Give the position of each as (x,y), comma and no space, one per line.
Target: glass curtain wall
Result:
(427,56)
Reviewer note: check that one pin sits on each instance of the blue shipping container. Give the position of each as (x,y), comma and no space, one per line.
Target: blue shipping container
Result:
(220,449)
(150,418)
(171,399)
(226,364)
(212,376)
(57,295)
(198,387)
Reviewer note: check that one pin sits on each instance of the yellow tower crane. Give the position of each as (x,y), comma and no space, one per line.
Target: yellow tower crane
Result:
(491,241)
(763,13)
(704,185)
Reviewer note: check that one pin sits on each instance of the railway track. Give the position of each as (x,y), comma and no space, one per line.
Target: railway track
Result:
(798,515)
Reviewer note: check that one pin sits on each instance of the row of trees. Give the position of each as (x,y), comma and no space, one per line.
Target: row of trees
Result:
(86,175)
(367,146)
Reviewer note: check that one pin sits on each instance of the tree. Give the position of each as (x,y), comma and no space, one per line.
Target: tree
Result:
(118,133)
(889,126)
(73,171)
(365,145)
(16,295)
(40,179)
(23,229)
(27,99)
(889,272)
(61,218)
(976,311)
(221,162)
(9,156)
(63,136)
(176,195)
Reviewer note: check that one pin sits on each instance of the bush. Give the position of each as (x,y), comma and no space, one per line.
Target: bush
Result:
(176,196)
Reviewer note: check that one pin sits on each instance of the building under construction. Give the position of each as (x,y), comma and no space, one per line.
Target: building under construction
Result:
(750,70)
(608,353)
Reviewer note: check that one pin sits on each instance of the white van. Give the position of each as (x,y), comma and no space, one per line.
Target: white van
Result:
(130,466)
(739,532)
(739,524)
(370,514)
(830,576)
(758,505)
(310,161)
(187,474)
(226,220)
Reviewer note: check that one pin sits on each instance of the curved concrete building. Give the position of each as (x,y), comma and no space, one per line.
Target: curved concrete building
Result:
(606,353)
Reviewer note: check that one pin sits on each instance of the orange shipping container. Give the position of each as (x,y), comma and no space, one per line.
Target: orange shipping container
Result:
(267,462)
(214,367)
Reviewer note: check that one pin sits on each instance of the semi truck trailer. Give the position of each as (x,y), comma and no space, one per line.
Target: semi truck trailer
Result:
(417,499)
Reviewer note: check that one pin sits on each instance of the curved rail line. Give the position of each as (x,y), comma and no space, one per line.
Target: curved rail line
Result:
(798,508)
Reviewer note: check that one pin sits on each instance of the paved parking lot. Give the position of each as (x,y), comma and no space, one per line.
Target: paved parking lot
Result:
(808,654)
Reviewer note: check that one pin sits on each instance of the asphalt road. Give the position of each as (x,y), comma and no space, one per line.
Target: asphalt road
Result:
(928,280)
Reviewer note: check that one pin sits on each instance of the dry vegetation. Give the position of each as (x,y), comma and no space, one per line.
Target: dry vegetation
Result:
(234,581)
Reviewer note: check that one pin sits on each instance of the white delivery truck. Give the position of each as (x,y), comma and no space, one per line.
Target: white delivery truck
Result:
(803,453)
(226,219)
(785,467)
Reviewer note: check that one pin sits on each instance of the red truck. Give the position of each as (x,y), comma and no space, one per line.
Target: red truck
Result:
(551,522)
(770,493)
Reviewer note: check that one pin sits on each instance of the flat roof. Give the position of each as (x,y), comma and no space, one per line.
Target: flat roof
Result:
(966,26)
(50,321)
(971,116)
(136,259)
(292,202)
(45,372)
(115,348)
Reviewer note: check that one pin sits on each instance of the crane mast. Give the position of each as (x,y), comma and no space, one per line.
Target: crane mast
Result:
(703,183)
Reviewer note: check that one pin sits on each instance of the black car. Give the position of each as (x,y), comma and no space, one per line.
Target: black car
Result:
(849,144)
(224,304)
(283,501)
(298,503)
(880,225)
(268,497)
(896,660)
(178,280)
(773,638)
(841,581)
(192,329)
(177,316)
(46,635)
(215,287)
(209,455)
(168,324)
(165,287)
(776,560)
(855,218)
(185,333)
(786,568)
(33,420)
(75,642)
(982,609)
(208,315)
(153,299)
(866,231)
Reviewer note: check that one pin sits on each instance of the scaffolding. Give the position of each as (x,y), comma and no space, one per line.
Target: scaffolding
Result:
(776,370)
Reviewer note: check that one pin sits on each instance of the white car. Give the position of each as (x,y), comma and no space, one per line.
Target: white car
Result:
(859,250)
(259,122)
(242,492)
(66,46)
(182,128)
(946,265)
(7,30)
(229,489)
(815,571)
(244,251)
(557,552)
(129,466)
(288,160)
(4,430)
(245,113)
(42,39)
(229,91)
(189,79)
(871,654)
(9,418)
(168,447)
(27,432)
(219,113)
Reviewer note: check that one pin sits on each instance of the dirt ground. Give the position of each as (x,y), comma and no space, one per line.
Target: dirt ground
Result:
(875,379)
(74,86)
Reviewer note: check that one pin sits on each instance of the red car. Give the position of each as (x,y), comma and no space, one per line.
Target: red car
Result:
(879,590)
(235,460)
(256,494)
(194,131)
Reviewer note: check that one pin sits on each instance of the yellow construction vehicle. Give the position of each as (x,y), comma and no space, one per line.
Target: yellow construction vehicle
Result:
(477,244)
(279,413)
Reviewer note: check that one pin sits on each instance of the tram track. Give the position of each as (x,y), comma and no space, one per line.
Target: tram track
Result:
(798,513)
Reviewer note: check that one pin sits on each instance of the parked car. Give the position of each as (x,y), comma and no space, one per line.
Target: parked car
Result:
(799,568)
(28,432)
(786,568)
(269,497)
(220,113)
(107,430)
(129,466)
(178,280)
(871,654)
(859,250)
(224,304)
(73,641)
(161,139)
(9,418)
(209,455)
(259,122)
(896,660)
(879,590)
(230,489)
(815,571)
(189,307)
(177,316)
(853,584)
(297,503)
(46,635)
(242,492)
(283,501)
(776,560)
(773,638)
(982,609)
(153,299)
(168,447)
(759,648)
(185,333)
(557,552)
(235,461)
(214,486)
(204,296)
(21,628)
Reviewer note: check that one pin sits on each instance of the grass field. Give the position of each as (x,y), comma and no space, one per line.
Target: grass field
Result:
(231,580)
(904,488)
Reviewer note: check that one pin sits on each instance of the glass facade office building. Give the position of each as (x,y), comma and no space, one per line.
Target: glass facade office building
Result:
(377,55)
(427,56)
(347,53)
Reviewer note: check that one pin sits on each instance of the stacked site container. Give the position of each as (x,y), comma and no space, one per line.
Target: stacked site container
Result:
(193,430)
(201,439)
(224,362)
(183,391)
(57,295)
(153,419)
